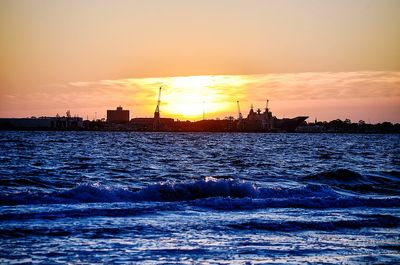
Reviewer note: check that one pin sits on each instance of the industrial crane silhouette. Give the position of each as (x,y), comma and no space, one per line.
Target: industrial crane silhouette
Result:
(240,117)
(156,124)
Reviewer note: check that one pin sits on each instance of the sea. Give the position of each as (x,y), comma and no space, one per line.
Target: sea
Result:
(199,198)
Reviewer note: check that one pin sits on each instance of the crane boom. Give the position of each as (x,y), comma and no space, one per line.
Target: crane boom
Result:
(239,113)
(157,111)
(159,96)
(156,124)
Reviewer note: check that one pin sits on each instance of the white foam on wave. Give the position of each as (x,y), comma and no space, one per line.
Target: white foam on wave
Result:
(209,192)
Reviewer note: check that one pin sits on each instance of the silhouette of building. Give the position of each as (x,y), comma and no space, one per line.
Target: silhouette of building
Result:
(118,116)
(147,124)
(42,123)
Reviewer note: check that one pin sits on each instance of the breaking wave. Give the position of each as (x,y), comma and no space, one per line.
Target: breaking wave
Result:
(210,192)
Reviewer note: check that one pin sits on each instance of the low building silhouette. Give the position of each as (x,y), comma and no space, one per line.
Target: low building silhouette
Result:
(42,123)
(148,124)
(118,116)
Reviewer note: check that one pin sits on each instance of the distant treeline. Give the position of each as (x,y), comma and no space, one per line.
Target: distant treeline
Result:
(346,126)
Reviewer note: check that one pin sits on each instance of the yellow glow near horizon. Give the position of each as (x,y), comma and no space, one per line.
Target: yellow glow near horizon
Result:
(189,96)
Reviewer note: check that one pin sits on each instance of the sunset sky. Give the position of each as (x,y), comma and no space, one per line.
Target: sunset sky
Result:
(324,59)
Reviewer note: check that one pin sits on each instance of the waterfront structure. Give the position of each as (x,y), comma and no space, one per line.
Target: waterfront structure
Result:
(153,124)
(156,123)
(42,123)
(118,116)
(256,121)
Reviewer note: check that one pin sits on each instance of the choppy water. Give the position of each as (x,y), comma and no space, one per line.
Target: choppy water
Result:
(103,197)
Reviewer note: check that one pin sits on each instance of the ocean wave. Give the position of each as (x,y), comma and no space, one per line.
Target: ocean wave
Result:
(92,232)
(88,193)
(344,179)
(383,221)
(113,210)
(209,192)
(296,202)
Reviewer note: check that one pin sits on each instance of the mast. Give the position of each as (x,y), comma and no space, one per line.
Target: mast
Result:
(268,117)
(251,109)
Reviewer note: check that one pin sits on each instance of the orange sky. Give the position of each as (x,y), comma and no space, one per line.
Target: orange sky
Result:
(325,59)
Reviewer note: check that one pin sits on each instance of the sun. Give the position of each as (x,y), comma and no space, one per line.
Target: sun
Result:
(192,96)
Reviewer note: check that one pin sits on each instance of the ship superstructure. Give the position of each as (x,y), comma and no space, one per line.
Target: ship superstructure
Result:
(264,121)
(258,120)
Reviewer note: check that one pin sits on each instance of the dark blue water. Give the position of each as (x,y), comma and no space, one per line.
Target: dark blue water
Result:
(103,197)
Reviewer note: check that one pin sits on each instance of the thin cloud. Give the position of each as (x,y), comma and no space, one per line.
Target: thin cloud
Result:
(219,92)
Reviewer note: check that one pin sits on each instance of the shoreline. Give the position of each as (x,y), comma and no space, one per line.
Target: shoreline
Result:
(208,132)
